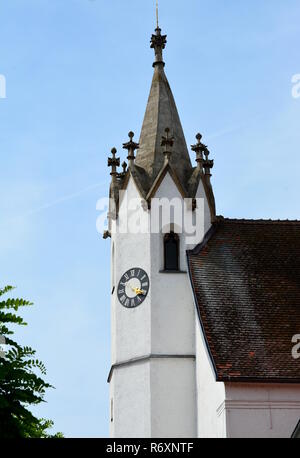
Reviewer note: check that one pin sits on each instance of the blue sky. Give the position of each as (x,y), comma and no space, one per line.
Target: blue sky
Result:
(78,74)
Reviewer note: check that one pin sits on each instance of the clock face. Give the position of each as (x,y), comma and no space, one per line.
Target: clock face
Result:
(133,288)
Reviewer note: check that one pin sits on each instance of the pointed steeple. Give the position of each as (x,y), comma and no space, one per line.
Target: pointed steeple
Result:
(161,113)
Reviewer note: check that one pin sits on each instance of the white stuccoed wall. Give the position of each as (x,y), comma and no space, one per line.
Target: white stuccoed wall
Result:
(131,250)
(156,397)
(200,194)
(211,421)
(130,338)
(173,387)
(173,398)
(172,310)
(130,392)
(262,410)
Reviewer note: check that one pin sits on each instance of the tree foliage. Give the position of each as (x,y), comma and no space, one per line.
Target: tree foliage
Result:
(21,382)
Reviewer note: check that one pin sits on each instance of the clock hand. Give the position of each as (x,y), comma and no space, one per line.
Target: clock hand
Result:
(131,287)
(138,291)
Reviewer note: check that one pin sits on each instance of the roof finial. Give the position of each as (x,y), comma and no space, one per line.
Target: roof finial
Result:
(113,162)
(158,43)
(157,26)
(167,142)
(131,146)
(199,149)
(202,153)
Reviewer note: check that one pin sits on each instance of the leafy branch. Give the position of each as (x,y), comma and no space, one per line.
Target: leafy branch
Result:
(20,384)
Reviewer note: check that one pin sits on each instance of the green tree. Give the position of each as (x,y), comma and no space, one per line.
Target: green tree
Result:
(21,382)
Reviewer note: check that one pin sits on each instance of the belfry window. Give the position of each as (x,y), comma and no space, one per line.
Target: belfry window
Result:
(171,251)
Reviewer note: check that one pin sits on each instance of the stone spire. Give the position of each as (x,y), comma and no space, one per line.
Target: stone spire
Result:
(161,113)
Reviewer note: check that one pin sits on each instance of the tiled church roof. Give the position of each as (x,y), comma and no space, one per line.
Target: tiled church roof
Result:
(246,282)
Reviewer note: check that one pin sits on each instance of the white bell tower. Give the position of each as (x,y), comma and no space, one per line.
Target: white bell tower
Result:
(153,373)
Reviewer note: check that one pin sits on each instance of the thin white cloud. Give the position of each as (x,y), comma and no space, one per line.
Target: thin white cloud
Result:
(65,198)
(234,128)
(18,229)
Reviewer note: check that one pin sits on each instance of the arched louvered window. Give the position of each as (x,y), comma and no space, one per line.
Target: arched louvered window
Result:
(171,251)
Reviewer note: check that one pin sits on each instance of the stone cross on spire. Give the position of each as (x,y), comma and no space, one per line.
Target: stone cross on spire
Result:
(158,43)
(131,146)
(167,142)
(202,153)
(113,162)
(199,149)
(208,164)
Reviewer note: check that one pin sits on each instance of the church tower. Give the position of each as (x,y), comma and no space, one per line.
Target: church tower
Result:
(153,377)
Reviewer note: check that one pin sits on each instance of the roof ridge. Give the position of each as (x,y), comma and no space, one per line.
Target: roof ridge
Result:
(256,221)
